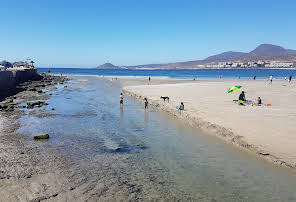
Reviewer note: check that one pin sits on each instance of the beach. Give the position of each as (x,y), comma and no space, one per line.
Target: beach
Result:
(98,150)
(268,131)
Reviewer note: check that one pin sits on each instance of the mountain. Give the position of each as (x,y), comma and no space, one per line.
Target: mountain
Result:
(107,66)
(269,50)
(230,55)
(263,52)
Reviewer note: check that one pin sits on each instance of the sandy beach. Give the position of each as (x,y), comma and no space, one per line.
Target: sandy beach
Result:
(268,131)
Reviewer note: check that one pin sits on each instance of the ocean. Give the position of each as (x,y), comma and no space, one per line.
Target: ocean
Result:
(197,73)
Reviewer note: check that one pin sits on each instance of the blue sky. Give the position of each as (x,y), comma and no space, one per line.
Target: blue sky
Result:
(64,33)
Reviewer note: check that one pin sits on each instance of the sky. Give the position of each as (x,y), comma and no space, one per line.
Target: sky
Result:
(87,33)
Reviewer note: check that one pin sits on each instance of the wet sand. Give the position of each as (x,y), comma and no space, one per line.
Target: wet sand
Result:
(268,131)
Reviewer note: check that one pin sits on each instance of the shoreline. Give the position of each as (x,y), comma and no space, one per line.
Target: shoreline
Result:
(217,127)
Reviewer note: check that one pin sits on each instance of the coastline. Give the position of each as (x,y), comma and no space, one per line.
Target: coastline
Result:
(274,144)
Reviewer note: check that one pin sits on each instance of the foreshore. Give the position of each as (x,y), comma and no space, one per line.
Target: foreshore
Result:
(268,131)
(28,171)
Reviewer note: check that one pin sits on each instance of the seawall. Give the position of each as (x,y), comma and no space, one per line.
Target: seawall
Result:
(9,79)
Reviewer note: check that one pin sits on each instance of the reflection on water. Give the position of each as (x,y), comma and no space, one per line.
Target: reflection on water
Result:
(156,157)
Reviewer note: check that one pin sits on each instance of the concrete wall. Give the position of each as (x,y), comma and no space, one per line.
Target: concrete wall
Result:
(10,78)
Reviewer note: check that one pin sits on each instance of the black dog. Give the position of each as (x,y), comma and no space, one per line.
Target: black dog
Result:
(165,98)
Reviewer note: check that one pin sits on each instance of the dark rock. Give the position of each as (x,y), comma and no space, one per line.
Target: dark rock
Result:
(41,136)
(31,105)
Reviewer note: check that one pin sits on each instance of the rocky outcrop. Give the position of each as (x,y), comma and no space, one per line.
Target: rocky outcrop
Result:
(9,79)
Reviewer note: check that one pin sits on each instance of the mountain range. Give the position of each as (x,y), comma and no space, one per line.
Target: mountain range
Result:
(264,52)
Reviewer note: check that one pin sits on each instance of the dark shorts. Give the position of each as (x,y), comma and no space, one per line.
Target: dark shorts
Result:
(121,101)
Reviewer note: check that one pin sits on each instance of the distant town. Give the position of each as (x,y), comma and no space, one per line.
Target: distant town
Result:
(258,64)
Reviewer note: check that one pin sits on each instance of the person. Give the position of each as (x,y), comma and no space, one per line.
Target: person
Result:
(238,77)
(221,76)
(254,78)
(290,78)
(121,99)
(242,96)
(181,107)
(146,103)
(270,79)
(259,101)
(149,78)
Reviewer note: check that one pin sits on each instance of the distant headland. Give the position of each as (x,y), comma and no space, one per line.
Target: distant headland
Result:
(263,56)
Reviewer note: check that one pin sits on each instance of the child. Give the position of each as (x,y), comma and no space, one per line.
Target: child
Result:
(121,100)
(181,107)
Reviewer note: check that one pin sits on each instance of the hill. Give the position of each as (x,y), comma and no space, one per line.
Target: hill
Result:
(107,66)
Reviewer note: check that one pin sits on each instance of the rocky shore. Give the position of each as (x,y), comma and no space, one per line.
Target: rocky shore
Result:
(24,165)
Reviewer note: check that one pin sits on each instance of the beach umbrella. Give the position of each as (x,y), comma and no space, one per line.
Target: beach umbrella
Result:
(233,88)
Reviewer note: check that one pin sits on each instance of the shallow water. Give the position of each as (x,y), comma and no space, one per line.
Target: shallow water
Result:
(157,156)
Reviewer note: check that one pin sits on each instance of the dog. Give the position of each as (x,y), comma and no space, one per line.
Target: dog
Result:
(165,98)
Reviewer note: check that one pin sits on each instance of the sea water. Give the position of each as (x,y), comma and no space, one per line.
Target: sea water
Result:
(187,74)
(153,156)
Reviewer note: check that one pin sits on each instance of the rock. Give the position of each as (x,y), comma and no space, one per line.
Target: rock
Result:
(52,109)
(40,91)
(41,136)
(31,105)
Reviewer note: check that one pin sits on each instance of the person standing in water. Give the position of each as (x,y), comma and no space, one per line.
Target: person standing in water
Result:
(146,103)
(254,78)
(121,100)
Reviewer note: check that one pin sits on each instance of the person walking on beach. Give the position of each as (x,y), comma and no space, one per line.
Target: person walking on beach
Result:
(254,78)
(221,76)
(270,79)
(146,103)
(121,100)
(149,79)
(290,78)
